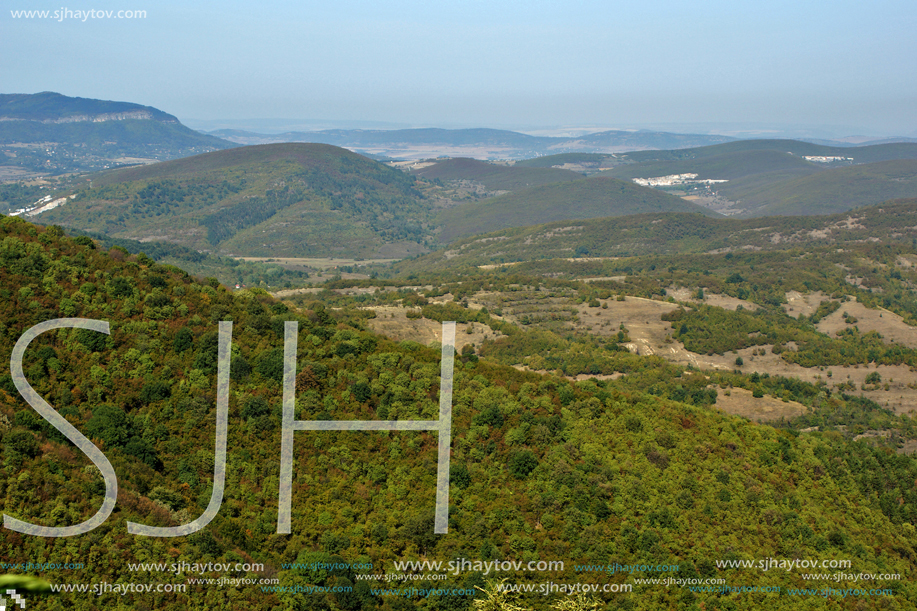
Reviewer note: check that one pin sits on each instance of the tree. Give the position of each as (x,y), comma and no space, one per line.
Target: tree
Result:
(582,602)
(522,463)
(497,598)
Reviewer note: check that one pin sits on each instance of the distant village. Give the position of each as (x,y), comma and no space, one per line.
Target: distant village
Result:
(824,159)
(675,179)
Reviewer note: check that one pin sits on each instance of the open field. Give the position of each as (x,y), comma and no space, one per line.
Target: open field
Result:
(727,302)
(314,262)
(15,173)
(799,304)
(740,402)
(393,322)
(650,335)
(889,325)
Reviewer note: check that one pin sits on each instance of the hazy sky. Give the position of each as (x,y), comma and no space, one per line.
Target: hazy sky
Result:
(495,63)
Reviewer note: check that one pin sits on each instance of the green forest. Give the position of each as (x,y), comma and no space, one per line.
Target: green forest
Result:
(638,470)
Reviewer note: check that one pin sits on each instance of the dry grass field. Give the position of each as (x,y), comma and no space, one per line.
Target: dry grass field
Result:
(740,402)
(650,335)
(392,321)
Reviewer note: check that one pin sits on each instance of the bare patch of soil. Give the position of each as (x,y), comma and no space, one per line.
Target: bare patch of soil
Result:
(797,303)
(577,378)
(393,322)
(887,324)
(651,335)
(314,262)
(740,402)
(726,302)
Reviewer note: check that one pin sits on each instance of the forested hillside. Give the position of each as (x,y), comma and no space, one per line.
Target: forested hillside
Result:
(671,233)
(586,198)
(636,470)
(291,200)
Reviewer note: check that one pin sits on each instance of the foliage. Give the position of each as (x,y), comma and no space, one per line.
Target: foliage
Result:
(635,470)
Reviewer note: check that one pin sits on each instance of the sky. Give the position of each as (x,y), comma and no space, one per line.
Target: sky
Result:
(833,67)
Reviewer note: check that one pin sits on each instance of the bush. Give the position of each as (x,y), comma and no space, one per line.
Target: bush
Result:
(110,424)
(120,287)
(207,357)
(361,392)
(492,416)
(93,340)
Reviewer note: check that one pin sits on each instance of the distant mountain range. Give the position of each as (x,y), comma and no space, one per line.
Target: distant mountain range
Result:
(317,200)
(50,133)
(50,107)
(478,143)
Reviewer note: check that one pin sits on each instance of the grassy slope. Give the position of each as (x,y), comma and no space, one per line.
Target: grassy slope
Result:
(833,190)
(860,154)
(594,197)
(495,177)
(549,161)
(306,155)
(726,166)
(648,234)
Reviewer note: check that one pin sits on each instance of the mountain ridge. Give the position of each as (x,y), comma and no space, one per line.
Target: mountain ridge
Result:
(493,143)
(49,133)
(52,107)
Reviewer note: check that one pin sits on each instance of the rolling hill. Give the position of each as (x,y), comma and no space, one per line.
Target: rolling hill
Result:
(479,143)
(672,234)
(593,197)
(728,166)
(860,154)
(285,200)
(552,161)
(773,177)
(828,191)
(494,177)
